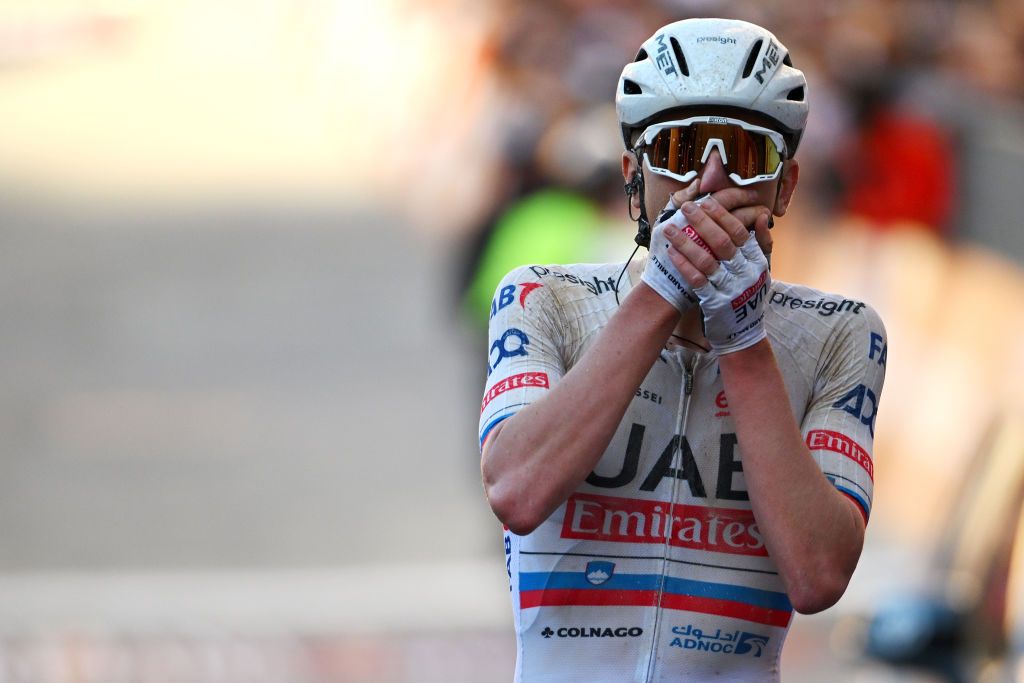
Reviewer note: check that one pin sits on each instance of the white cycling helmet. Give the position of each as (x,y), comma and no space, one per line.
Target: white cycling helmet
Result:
(725,63)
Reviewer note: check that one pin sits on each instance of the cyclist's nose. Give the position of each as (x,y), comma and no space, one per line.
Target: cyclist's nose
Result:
(714,176)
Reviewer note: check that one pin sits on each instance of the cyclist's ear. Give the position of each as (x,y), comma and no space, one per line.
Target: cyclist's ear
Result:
(630,172)
(787,186)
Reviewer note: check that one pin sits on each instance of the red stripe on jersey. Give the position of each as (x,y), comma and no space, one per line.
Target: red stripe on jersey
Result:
(857,504)
(559,597)
(581,596)
(727,608)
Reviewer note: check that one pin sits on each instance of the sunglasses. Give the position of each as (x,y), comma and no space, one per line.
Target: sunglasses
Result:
(679,149)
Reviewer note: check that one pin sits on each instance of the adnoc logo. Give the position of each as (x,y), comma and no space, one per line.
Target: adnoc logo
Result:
(751,643)
(599,572)
(735,643)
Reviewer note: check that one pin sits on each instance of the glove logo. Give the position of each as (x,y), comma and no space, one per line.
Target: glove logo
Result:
(751,295)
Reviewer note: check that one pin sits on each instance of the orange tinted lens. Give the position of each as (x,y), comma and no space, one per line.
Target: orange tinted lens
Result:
(749,154)
(673,149)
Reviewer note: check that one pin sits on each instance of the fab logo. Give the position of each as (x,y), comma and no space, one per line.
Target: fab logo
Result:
(507,295)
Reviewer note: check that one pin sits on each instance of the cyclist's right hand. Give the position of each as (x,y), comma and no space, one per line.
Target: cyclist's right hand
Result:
(660,274)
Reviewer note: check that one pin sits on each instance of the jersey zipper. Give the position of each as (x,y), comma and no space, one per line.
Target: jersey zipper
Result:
(682,416)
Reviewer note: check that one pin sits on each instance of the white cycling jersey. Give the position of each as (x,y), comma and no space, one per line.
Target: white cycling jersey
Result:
(654,569)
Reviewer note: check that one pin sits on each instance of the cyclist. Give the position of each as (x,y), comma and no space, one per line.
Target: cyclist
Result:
(680,448)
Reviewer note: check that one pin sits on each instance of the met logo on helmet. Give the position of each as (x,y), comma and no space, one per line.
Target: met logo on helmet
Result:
(769,61)
(664,59)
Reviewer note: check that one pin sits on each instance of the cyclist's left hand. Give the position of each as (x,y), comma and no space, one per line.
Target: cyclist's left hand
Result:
(723,260)
(733,299)
(718,227)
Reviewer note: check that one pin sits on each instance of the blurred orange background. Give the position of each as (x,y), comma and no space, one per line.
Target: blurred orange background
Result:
(239,378)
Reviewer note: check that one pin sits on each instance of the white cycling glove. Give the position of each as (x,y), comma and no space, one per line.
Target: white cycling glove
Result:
(734,299)
(660,274)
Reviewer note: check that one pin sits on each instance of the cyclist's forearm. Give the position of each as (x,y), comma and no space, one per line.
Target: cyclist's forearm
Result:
(534,460)
(812,532)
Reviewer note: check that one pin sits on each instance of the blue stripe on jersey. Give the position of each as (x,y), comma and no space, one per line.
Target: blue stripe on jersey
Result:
(857,497)
(532,581)
(491,425)
(529,581)
(836,478)
(723,591)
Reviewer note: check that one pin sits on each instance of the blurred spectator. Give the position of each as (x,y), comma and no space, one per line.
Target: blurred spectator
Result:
(558,181)
(558,209)
(897,167)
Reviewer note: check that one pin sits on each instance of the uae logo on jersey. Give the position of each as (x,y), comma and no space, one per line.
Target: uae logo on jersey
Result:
(598,572)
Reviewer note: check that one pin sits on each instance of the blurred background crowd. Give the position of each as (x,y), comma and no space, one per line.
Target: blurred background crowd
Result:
(916,106)
(249,246)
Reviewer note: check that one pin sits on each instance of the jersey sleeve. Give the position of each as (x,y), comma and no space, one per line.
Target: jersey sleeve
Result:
(839,426)
(525,358)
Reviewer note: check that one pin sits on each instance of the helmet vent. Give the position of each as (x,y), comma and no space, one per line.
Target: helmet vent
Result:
(796,94)
(787,60)
(640,56)
(752,59)
(680,59)
(630,87)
